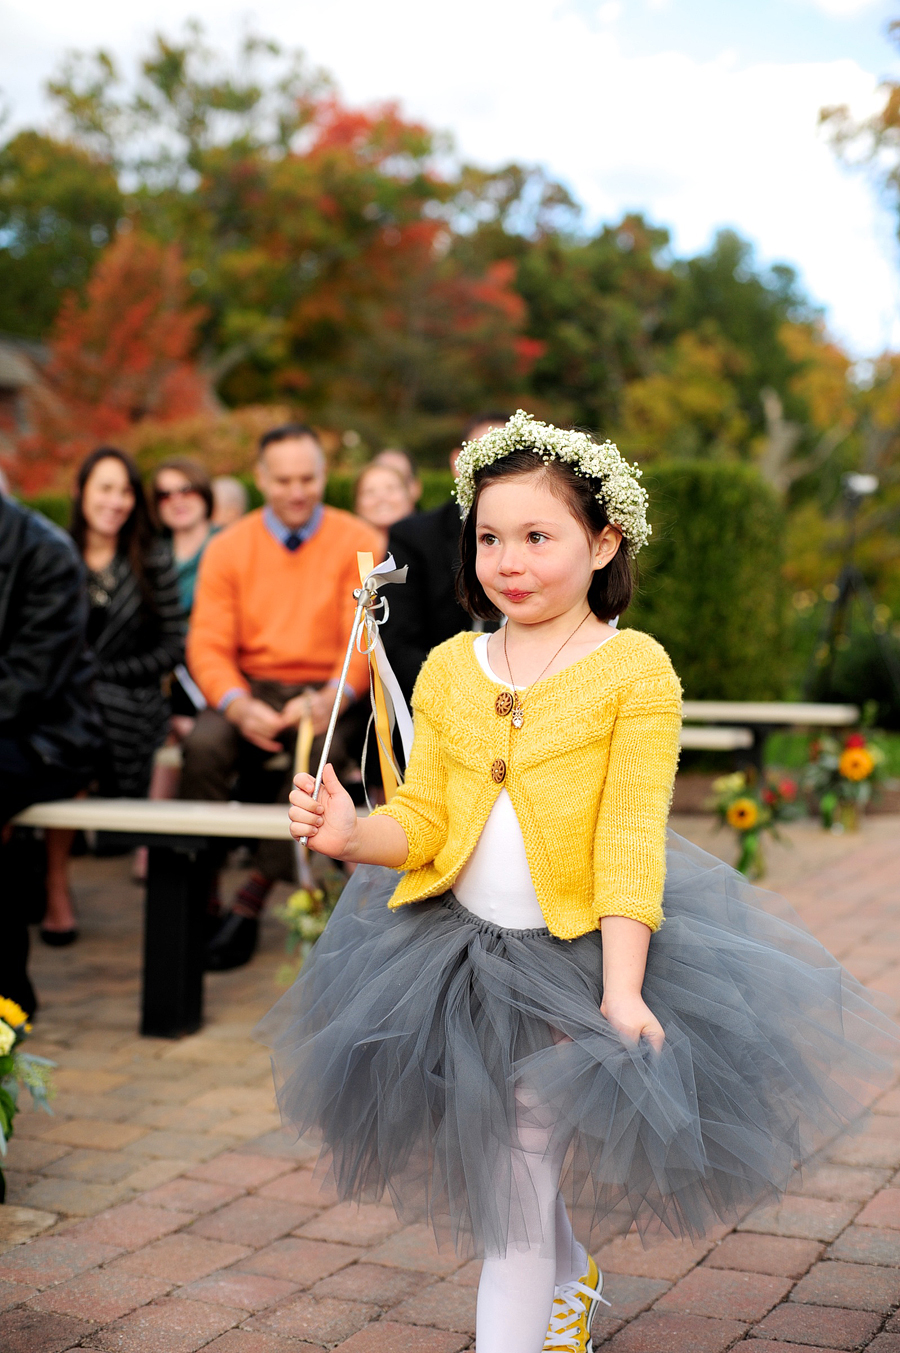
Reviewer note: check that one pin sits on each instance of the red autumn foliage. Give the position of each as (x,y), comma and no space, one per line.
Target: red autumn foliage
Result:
(120,357)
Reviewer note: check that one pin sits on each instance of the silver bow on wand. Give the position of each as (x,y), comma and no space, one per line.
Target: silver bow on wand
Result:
(372,611)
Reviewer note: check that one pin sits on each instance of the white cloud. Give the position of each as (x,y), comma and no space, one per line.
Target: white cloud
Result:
(696,144)
(843,9)
(609,12)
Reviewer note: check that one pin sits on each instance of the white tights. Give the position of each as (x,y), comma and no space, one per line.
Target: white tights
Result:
(515,1294)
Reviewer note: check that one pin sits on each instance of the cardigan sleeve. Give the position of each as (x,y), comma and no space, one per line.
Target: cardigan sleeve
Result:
(630,837)
(420,804)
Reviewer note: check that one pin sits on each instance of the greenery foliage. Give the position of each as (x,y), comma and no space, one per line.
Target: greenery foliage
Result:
(209,244)
(710,581)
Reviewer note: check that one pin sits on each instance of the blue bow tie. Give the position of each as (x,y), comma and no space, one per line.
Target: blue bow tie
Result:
(293,542)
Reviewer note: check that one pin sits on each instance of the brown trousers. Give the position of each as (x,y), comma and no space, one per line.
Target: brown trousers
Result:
(220,764)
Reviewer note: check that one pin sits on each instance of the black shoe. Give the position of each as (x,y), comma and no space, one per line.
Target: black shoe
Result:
(233,944)
(58,939)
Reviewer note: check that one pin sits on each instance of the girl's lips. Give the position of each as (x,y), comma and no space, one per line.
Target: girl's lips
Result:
(516,596)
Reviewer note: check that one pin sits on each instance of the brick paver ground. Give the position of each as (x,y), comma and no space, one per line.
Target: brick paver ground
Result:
(162,1210)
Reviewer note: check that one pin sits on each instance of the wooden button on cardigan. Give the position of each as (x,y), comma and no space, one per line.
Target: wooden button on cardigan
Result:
(590,776)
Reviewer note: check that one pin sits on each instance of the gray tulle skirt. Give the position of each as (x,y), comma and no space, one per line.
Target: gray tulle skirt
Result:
(412,1039)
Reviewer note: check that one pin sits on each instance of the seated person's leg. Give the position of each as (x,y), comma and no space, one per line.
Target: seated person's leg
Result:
(235,942)
(23,781)
(209,758)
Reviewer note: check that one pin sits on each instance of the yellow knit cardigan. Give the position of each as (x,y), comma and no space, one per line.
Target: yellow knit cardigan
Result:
(590,776)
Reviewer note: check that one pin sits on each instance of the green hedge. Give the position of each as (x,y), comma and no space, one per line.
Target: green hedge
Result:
(436,488)
(56,506)
(710,583)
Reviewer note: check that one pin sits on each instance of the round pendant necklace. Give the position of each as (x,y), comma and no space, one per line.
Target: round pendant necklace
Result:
(507,703)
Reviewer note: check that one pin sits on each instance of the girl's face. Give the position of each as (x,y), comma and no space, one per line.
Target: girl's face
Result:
(180,506)
(383,497)
(534,559)
(107,499)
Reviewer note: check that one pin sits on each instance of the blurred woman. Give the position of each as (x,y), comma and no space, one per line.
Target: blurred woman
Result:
(402,461)
(136,632)
(183,498)
(382,497)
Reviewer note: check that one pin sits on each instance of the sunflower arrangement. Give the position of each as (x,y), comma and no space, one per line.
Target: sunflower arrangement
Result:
(750,809)
(18,1068)
(306,913)
(841,777)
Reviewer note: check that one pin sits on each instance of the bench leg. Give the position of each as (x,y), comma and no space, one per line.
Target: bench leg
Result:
(178,885)
(753,758)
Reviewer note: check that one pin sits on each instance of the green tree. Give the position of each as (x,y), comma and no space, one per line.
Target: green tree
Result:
(711,585)
(318,237)
(58,209)
(724,292)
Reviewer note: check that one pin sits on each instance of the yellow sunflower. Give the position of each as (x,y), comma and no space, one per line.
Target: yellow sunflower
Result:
(856,763)
(743,814)
(13,1014)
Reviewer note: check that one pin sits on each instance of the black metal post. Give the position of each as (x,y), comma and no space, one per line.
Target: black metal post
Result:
(752,758)
(179,874)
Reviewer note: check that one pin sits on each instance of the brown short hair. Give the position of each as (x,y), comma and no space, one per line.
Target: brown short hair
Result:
(195,475)
(612,587)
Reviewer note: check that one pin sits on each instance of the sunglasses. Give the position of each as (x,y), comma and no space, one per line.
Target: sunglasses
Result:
(162,495)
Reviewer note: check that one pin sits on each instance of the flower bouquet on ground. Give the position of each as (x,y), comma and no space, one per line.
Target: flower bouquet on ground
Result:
(18,1068)
(750,809)
(306,914)
(841,778)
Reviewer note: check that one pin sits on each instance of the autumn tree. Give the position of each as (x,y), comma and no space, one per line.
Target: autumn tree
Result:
(59,206)
(121,355)
(318,237)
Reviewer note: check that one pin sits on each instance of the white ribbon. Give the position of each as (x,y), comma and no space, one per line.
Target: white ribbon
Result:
(388,572)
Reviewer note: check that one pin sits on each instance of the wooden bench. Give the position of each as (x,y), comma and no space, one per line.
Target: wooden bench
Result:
(180,866)
(716,739)
(758,718)
(180,874)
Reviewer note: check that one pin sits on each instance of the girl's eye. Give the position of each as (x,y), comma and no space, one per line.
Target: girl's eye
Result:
(535,537)
(486,538)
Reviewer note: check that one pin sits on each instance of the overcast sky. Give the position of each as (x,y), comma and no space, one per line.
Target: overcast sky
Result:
(701,113)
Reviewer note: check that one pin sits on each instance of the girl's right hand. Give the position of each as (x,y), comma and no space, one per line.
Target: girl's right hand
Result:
(330,825)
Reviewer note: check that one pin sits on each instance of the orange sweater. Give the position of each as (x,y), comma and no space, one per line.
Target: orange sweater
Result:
(262,612)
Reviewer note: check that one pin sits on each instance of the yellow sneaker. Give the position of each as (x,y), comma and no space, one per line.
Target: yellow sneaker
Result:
(574,1306)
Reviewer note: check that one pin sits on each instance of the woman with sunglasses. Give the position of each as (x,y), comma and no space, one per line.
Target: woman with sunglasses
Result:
(136,633)
(183,498)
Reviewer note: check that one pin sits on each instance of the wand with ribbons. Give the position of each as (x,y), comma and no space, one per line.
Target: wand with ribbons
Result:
(389,708)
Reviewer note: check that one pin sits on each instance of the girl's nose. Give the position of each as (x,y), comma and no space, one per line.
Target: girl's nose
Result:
(510,562)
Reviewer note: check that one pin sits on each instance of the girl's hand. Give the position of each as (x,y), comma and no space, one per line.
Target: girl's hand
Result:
(633,1020)
(330,825)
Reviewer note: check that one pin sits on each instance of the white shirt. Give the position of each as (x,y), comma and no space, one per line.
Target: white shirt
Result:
(495,883)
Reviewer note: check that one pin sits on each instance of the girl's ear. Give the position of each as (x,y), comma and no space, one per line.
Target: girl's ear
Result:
(606,546)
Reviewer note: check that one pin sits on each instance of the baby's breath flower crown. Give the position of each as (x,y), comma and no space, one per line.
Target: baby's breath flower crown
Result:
(621,496)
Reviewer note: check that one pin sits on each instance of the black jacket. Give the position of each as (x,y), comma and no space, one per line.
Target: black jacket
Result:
(424,611)
(45,671)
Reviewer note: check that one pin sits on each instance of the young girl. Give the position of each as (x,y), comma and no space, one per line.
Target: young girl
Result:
(504,1036)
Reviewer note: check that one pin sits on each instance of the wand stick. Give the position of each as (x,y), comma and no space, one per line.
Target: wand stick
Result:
(363,597)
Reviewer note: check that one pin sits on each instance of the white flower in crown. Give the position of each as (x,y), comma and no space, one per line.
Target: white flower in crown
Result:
(622,497)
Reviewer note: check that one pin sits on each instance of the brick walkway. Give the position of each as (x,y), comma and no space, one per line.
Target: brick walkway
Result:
(161,1210)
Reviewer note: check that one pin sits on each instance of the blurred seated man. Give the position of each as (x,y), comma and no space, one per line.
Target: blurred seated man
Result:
(425,611)
(229,500)
(272,616)
(50,733)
